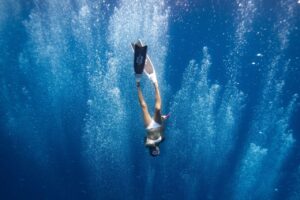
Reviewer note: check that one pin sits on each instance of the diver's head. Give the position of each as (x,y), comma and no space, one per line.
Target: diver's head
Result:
(154,150)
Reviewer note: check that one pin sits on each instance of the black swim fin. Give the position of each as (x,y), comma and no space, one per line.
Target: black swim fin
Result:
(140,54)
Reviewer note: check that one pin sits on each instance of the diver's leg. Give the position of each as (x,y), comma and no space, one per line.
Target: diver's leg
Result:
(146,115)
(157,112)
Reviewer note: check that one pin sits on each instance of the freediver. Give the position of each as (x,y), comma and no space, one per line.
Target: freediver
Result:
(154,125)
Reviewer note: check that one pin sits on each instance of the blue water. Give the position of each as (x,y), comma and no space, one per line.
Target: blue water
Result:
(71,126)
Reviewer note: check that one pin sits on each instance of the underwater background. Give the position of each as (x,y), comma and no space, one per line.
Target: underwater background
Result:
(71,126)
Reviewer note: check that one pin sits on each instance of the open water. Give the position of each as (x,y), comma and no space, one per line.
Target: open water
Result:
(71,126)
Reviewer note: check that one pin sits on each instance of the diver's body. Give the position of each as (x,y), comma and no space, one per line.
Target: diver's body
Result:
(154,125)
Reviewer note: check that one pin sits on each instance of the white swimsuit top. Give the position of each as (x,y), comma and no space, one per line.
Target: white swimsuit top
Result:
(151,142)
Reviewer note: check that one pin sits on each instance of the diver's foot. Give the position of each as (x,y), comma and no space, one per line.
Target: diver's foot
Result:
(138,77)
(153,78)
(138,84)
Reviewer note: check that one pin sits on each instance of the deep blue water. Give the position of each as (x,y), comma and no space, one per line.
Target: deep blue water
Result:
(71,126)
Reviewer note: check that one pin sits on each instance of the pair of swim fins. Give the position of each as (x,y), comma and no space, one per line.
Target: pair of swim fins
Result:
(142,62)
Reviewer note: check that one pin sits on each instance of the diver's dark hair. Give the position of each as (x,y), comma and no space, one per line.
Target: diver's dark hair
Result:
(154,151)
